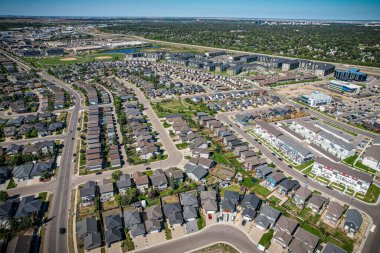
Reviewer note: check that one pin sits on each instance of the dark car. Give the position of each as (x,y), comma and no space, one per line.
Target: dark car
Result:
(98,173)
(304,175)
(62,231)
(243,222)
(148,168)
(329,187)
(290,166)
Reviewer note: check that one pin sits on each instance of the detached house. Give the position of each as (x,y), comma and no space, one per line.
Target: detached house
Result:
(189,202)
(106,191)
(173,212)
(159,180)
(267,217)
(353,221)
(229,202)
(285,228)
(154,219)
(124,183)
(301,196)
(209,201)
(250,204)
(303,242)
(88,193)
(334,212)
(141,181)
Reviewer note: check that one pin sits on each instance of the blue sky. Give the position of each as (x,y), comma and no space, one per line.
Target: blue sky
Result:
(294,9)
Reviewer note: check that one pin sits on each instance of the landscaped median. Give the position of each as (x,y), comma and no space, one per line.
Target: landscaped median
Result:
(322,180)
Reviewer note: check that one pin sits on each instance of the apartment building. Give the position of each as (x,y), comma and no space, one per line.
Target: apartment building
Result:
(341,174)
(288,146)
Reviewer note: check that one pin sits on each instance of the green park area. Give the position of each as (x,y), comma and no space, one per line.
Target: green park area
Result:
(67,60)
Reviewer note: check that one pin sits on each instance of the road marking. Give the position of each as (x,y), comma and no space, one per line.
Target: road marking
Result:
(373,228)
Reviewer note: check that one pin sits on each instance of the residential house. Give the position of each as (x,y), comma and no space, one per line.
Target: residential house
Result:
(22,172)
(134,222)
(190,205)
(124,183)
(174,174)
(229,203)
(173,212)
(250,205)
(141,181)
(106,191)
(195,172)
(334,212)
(331,248)
(154,219)
(301,196)
(275,178)
(209,201)
(263,171)
(267,217)
(20,244)
(88,231)
(159,180)
(285,228)
(29,207)
(317,202)
(88,193)
(303,242)
(288,186)
(7,212)
(353,221)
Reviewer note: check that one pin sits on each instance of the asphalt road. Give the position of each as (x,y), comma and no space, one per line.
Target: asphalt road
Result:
(59,209)
(209,235)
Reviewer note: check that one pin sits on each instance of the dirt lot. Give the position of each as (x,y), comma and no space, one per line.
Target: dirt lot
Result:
(222,172)
(170,199)
(68,59)
(217,248)
(103,57)
(295,90)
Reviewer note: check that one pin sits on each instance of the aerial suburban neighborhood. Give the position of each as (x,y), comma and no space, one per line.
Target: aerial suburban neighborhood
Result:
(149,134)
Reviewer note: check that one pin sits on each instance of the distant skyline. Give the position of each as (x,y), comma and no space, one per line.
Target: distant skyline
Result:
(280,9)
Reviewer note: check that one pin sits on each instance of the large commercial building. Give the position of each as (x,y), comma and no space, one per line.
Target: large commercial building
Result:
(344,87)
(341,174)
(350,75)
(316,99)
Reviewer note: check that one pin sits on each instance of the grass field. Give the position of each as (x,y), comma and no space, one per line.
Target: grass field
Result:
(58,61)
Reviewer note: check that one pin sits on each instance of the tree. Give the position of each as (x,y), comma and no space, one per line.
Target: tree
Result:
(116,175)
(3,196)
(45,174)
(131,196)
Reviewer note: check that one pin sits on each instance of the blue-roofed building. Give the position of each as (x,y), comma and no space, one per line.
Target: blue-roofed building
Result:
(351,74)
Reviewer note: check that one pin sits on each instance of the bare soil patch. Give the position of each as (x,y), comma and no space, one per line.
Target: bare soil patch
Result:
(103,57)
(68,59)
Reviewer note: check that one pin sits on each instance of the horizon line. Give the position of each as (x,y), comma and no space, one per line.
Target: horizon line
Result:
(179,17)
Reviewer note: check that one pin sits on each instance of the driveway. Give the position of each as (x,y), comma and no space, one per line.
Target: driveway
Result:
(115,248)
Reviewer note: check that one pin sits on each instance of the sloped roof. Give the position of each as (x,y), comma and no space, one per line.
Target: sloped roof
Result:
(87,225)
(113,221)
(113,235)
(28,205)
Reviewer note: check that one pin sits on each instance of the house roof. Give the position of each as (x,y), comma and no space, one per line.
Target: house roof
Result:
(92,240)
(298,246)
(131,218)
(354,216)
(113,235)
(344,169)
(154,212)
(198,171)
(307,237)
(124,181)
(287,224)
(113,221)
(159,179)
(138,229)
(87,225)
(190,212)
(28,205)
(251,201)
(335,209)
(331,248)
(289,184)
(317,200)
(303,192)
(20,244)
(173,212)
(189,199)
(143,180)
(22,171)
(270,212)
(283,237)
(262,221)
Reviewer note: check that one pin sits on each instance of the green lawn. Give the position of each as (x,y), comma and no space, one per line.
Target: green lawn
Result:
(303,166)
(248,182)
(266,238)
(56,61)
(219,158)
(315,231)
(182,145)
(337,186)
(235,188)
(42,195)
(372,194)
(11,184)
(322,180)
(274,200)
(149,173)
(261,190)
(359,165)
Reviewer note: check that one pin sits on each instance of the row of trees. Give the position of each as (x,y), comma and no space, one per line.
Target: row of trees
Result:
(346,43)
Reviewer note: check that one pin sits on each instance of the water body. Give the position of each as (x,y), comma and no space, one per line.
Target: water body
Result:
(127,50)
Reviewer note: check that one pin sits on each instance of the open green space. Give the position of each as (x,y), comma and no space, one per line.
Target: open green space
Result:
(305,165)
(261,190)
(182,145)
(372,194)
(58,61)
(274,200)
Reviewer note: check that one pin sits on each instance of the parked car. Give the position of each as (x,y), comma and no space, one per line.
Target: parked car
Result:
(98,173)
(243,222)
(209,216)
(62,231)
